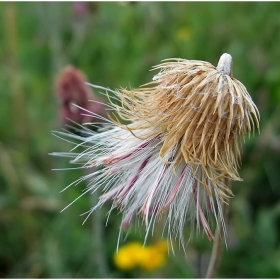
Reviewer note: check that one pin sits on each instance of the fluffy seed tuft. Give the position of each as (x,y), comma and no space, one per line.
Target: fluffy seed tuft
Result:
(182,141)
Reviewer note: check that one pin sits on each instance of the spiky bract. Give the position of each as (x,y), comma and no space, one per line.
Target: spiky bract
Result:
(182,141)
(198,109)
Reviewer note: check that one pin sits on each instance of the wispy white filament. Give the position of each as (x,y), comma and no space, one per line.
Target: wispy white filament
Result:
(140,183)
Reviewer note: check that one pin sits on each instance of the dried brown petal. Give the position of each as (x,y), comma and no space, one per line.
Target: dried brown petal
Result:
(200,109)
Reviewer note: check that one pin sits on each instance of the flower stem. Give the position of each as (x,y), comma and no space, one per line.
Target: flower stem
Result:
(99,246)
(99,256)
(217,248)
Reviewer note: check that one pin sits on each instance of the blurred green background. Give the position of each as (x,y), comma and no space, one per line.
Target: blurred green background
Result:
(116,44)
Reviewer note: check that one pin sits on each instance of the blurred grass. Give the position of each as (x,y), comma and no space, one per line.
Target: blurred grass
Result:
(116,44)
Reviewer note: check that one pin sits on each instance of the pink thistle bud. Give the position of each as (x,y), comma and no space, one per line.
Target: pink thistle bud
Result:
(80,8)
(74,95)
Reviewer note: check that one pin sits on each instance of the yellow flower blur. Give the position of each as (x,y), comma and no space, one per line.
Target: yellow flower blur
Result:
(127,256)
(152,259)
(184,34)
(134,255)
(161,246)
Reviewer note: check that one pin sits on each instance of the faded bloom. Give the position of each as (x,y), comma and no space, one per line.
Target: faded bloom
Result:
(74,95)
(80,8)
(182,141)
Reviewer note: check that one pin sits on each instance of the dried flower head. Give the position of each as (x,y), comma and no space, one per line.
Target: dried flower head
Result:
(199,109)
(182,141)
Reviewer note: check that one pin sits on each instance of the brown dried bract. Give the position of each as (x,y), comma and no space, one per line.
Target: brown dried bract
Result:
(198,109)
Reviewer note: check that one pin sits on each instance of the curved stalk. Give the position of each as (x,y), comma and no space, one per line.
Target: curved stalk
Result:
(217,249)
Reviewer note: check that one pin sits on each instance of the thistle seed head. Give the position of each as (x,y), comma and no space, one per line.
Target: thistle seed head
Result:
(182,141)
(199,108)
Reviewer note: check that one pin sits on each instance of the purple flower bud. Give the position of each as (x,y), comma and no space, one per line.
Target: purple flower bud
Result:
(73,93)
(80,8)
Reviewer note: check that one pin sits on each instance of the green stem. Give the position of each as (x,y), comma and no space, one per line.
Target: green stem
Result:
(217,249)
(99,246)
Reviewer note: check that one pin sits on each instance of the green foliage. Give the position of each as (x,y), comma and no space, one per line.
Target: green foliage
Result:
(115,45)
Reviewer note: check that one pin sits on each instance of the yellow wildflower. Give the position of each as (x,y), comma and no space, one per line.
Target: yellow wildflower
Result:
(161,246)
(128,256)
(148,258)
(152,258)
